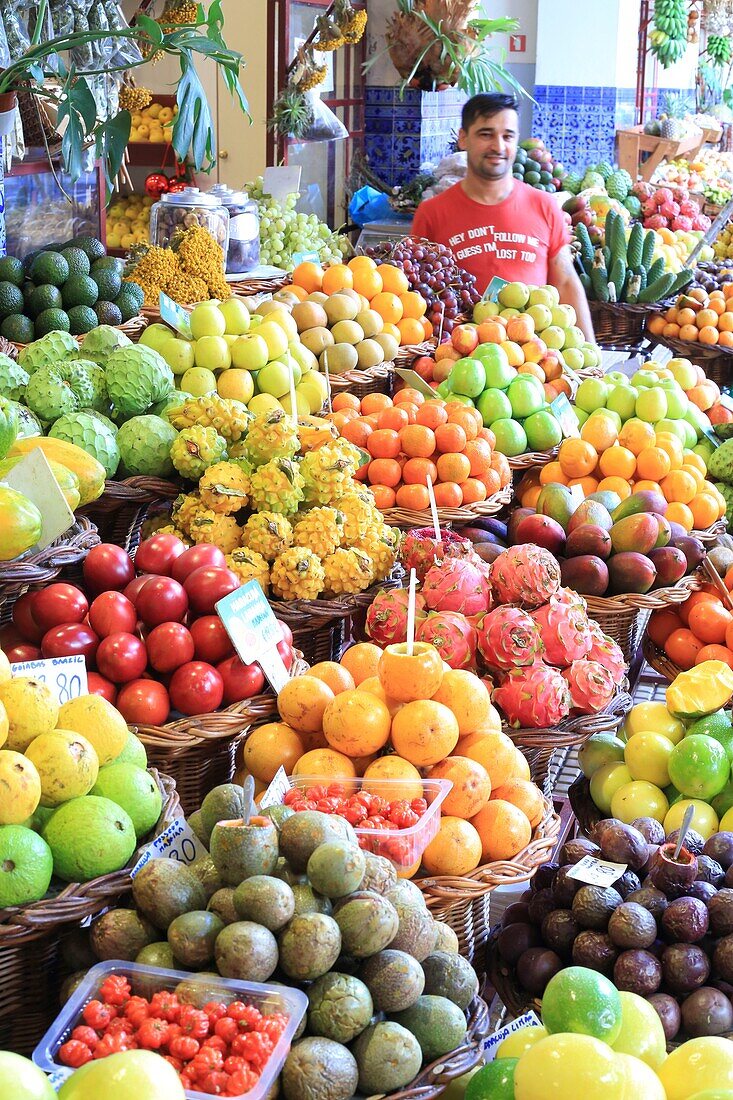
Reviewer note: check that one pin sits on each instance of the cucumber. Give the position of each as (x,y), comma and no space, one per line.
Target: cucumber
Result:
(647,250)
(617,274)
(655,271)
(618,239)
(606,256)
(635,245)
(657,290)
(599,282)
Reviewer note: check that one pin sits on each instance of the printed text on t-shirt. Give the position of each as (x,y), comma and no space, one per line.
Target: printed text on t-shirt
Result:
(494,245)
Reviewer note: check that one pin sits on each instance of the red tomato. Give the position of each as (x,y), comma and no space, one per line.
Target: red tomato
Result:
(70,639)
(286,654)
(144,703)
(161,600)
(240,681)
(286,632)
(98,685)
(170,645)
(194,558)
(111,612)
(196,688)
(24,652)
(107,566)
(157,554)
(58,604)
(24,619)
(121,657)
(132,589)
(210,639)
(207,585)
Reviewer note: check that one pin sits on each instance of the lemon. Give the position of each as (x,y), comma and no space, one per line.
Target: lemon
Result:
(642,1034)
(4,668)
(67,764)
(21,787)
(520,1041)
(705,1063)
(31,710)
(565,1065)
(98,721)
(641,1080)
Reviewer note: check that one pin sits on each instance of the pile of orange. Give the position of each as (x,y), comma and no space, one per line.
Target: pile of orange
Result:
(700,629)
(637,459)
(384,715)
(409,438)
(698,317)
(384,289)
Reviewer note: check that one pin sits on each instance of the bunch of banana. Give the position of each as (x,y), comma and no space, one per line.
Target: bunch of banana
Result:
(719,49)
(669,37)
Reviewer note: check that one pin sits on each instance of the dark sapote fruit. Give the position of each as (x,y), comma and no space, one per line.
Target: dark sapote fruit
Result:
(668,1012)
(637,972)
(720,909)
(720,848)
(651,898)
(685,920)
(685,967)
(651,829)
(594,950)
(707,1011)
(515,939)
(535,968)
(559,930)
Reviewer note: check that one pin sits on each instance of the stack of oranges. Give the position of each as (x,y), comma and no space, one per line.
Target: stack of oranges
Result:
(409,438)
(384,289)
(698,318)
(700,629)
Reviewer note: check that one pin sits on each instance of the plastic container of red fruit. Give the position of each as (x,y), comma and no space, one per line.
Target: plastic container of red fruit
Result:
(402,844)
(264,1019)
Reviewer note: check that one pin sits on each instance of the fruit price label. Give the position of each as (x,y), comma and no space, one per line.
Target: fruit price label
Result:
(726,401)
(178,841)
(251,624)
(566,418)
(712,437)
(414,380)
(493,1042)
(33,477)
(597,872)
(275,793)
(303,257)
(491,293)
(65,676)
(175,315)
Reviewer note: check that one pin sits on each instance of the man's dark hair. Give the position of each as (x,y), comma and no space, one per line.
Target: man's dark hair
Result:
(484,105)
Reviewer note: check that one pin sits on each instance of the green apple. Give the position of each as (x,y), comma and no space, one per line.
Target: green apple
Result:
(274,379)
(574,336)
(563,316)
(618,378)
(644,379)
(283,319)
(311,391)
(553,336)
(155,335)
(236,316)
(255,321)
(651,404)
(21,1080)
(275,337)
(249,352)
(550,292)
(514,295)
(178,354)
(292,364)
(675,427)
(229,339)
(212,352)
(303,356)
(542,317)
(199,381)
(622,400)
(510,312)
(237,384)
(677,403)
(129,1075)
(592,394)
(207,320)
(484,311)
(263,403)
(591,355)
(496,366)
(302,404)
(573,357)
(684,372)
(541,296)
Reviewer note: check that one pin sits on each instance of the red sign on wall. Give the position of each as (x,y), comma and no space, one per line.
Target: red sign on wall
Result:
(517,43)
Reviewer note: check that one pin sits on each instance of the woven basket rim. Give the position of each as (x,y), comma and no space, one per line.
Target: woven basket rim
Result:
(431,1080)
(625,308)
(532,458)
(318,613)
(644,601)
(361,377)
(77,901)
(693,347)
(467,513)
(44,565)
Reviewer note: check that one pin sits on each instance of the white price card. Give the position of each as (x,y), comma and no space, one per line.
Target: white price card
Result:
(178,841)
(282,180)
(278,788)
(251,624)
(491,294)
(414,380)
(566,417)
(33,477)
(65,676)
(597,872)
(175,315)
(493,1042)
(726,401)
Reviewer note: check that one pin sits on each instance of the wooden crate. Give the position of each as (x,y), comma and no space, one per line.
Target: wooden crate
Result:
(632,142)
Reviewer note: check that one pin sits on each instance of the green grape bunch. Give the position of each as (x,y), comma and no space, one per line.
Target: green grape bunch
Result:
(285,232)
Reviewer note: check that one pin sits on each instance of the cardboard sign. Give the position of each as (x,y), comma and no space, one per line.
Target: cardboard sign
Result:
(251,624)
(178,841)
(597,872)
(33,478)
(566,417)
(281,181)
(413,379)
(275,793)
(493,1042)
(65,676)
(175,315)
(491,294)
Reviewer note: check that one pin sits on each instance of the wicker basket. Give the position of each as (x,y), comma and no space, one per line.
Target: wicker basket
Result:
(133,328)
(462,901)
(624,617)
(532,459)
(710,535)
(120,502)
(408,353)
(659,661)
(432,1081)
(361,382)
(504,980)
(716,361)
(586,812)
(30,941)
(620,324)
(467,513)
(43,566)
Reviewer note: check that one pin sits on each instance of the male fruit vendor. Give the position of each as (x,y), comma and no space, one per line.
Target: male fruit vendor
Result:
(495,224)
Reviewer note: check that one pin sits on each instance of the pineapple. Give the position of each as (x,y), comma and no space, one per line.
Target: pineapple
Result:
(381,544)
(249,566)
(224,488)
(360,515)
(328,471)
(297,574)
(277,487)
(268,533)
(222,531)
(320,530)
(347,571)
(229,418)
(676,107)
(186,507)
(195,450)
(270,435)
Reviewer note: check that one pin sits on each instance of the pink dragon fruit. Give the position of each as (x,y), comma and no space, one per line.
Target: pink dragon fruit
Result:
(570,598)
(592,686)
(526,575)
(689,209)
(508,638)
(682,223)
(642,190)
(649,208)
(456,584)
(663,195)
(420,549)
(657,221)
(386,618)
(702,221)
(565,632)
(537,697)
(452,635)
(606,652)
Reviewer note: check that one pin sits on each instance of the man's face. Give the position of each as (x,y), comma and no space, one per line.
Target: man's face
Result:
(491,144)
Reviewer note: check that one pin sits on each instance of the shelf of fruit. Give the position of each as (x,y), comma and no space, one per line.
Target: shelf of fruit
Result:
(680,638)
(696,318)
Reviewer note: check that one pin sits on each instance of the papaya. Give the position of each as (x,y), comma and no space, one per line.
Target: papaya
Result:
(90,473)
(702,690)
(21,526)
(67,479)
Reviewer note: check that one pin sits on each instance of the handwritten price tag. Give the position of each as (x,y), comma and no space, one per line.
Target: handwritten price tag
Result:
(566,418)
(597,872)
(277,790)
(65,676)
(493,1042)
(251,624)
(175,315)
(178,841)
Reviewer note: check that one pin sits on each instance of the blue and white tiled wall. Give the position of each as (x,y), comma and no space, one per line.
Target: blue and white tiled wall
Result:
(402,133)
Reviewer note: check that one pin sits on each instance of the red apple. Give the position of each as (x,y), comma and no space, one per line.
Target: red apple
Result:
(465,339)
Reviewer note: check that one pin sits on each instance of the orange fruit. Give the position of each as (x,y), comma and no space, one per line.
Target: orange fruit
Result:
(715,653)
(309,276)
(454,850)
(682,647)
(467,697)
(522,765)
(270,747)
(704,508)
(526,796)
(673,448)
(356,723)
(577,458)
(471,785)
(636,435)
(408,677)
(677,512)
(661,625)
(504,830)
(335,675)
(415,498)
(685,609)
(617,462)
(552,474)
(690,458)
(600,431)
(417,441)
(424,732)
(409,394)
(345,400)
(587,484)
(653,463)
(361,660)
(325,764)
(392,777)
(302,702)
(452,467)
(615,485)
(495,751)
(394,279)
(411,331)
(709,621)
(388,306)
(373,686)
(337,277)
(679,486)
(413,305)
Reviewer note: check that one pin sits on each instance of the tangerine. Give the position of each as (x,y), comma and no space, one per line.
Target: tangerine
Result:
(345,400)
(676,512)
(356,723)
(424,732)
(416,471)
(361,660)
(448,494)
(522,766)
(526,796)
(384,472)
(636,435)
(409,394)
(454,850)
(495,751)
(715,653)
(692,601)
(504,830)
(679,486)
(617,462)
(414,498)
(704,510)
(682,648)
(552,474)
(450,437)
(412,331)
(335,675)
(413,305)
(418,441)
(384,774)
(270,747)
(471,785)
(653,463)
(302,701)
(432,414)
(337,277)
(577,458)
(367,282)
(451,467)
(616,485)
(467,697)
(325,764)
(661,625)
(709,621)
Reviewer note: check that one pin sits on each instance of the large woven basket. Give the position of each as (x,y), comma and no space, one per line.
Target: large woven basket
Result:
(624,617)
(30,942)
(118,505)
(657,659)
(43,566)
(619,324)
(462,901)
(504,980)
(361,382)
(466,514)
(586,812)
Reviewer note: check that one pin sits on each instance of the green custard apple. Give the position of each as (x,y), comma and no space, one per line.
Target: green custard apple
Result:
(51,349)
(145,444)
(13,378)
(28,423)
(137,377)
(66,387)
(99,344)
(91,434)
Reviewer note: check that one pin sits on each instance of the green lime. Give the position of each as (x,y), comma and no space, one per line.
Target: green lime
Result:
(699,766)
(494,405)
(89,837)
(11,270)
(494,1082)
(582,1001)
(134,790)
(511,438)
(543,431)
(723,801)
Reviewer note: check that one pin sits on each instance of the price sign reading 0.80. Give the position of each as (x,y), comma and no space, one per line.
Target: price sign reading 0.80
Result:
(65,676)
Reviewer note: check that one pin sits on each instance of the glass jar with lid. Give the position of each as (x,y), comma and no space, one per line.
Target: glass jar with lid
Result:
(244,229)
(184,209)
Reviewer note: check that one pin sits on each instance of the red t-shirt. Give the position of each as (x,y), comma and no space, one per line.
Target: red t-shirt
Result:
(513,238)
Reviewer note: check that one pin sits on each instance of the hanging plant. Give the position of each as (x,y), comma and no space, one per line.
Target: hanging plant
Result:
(307,73)
(178,13)
(351,23)
(292,114)
(329,34)
(132,98)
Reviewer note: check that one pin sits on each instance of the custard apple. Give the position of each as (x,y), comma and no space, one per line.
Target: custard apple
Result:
(174,400)
(104,419)
(53,391)
(13,378)
(101,342)
(137,377)
(145,443)
(52,348)
(572,183)
(88,432)
(604,169)
(28,423)
(592,179)
(100,399)
(720,463)
(619,184)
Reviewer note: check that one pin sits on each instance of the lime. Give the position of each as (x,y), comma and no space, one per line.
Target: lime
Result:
(494,405)
(699,766)
(704,817)
(89,837)
(467,377)
(699,1064)
(129,1075)
(543,431)
(641,1031)
(511,438)
(639,1079)
(654,717)
(582,1001)
(639,799)
(526,396)
(592,394)
(716,725)
(134,790)
(494,1082)
(21,1080)
(515,1044)
(563,1066)
(647,757)
(599,749)
(604,783)
(26,866)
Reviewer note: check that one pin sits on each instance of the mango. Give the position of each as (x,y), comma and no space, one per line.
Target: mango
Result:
(590,512)
(639,533)
(702,690)
(645,501)
(691,547)
(543,531)
(556,501)
(670,564)
(630,572)
(588,539)
(587,574)
(665,531)
(609,500)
